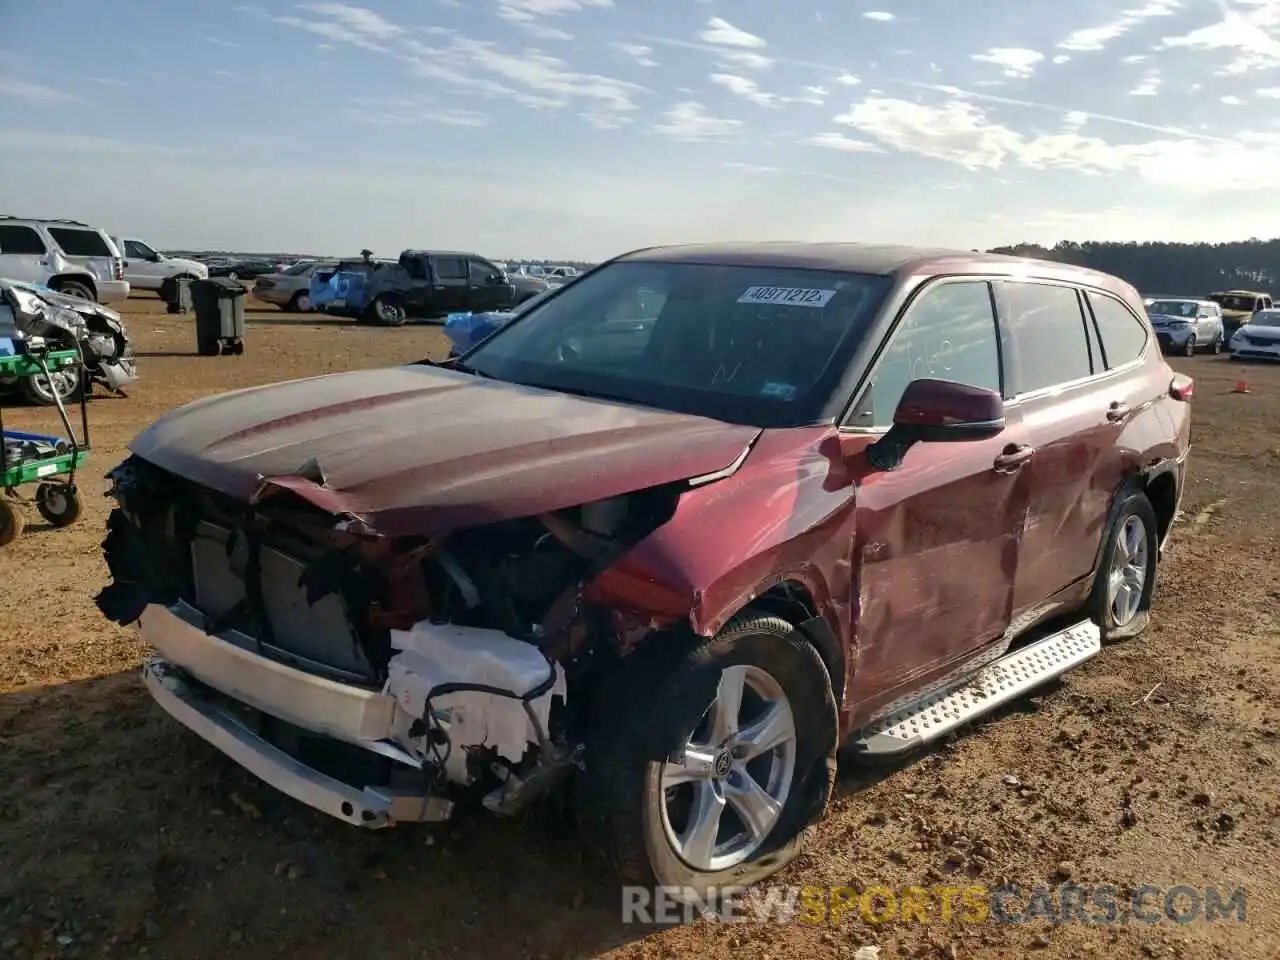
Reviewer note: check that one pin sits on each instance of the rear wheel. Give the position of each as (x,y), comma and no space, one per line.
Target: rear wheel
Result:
(713,772)
(77,289)
(11,521)
(1217,345)
(1190,349)
(1123,585)
(301,303)
(386,311)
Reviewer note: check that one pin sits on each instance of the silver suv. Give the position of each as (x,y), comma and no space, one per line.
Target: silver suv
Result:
(69,256)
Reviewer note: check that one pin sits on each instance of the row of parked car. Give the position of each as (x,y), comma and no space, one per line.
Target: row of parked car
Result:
(1243,322)
(422,284)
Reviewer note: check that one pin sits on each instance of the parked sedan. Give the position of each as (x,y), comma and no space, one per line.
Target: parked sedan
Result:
(241,269)
(290,289)
(670,540)
(1259,339)
(1185,326)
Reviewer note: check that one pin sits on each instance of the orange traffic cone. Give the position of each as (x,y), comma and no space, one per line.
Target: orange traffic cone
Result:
(1241,387)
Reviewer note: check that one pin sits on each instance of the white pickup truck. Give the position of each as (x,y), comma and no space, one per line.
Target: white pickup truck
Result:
(147,269)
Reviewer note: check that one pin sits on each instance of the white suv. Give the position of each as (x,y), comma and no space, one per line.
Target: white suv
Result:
(146,268)
(66,255)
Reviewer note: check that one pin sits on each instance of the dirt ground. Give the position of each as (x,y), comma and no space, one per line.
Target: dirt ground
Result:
(122,835)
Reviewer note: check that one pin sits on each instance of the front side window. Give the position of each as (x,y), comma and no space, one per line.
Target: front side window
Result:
(1047,334)
(482,272)
(80,243)
(756,345)
(1123,335)
(137,250)
(949,333)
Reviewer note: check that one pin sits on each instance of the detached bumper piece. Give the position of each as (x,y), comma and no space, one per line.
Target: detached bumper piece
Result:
(372,807)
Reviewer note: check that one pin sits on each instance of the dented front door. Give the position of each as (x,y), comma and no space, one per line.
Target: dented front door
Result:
(937,540)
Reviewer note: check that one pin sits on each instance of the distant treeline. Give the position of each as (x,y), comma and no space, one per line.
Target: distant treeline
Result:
(1185,268)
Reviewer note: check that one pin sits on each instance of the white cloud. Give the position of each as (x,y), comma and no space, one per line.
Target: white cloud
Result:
(689,120)
(838,141)
(1135,58)
(1232,101)
(639,52)
(1251,35)
(882,15)
(407,112)
(221,43)
(848,79)
(960,133)
(813,95)
(1270,93)
(1017,62)
(34,92)
(1061,57)
(743,87)
(1097,38)
(359,21)
(529,10)
(1148,86)
(747,59)
(722,33)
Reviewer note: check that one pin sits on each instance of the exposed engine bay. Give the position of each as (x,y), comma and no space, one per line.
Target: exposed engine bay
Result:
(480,638)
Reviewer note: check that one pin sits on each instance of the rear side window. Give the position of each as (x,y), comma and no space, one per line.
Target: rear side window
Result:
(1123,335)
(1046,330)
(451,268)
(15,239)
(80,243)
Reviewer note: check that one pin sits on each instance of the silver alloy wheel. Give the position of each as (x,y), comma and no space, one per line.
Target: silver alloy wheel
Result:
(739,760)
(1128,577)
(56,500)
(64,381)
(304,303)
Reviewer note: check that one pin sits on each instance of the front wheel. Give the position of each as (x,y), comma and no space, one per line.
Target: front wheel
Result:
(74,288)
(387,312)
(714,775)
(1123,585)
(68,382)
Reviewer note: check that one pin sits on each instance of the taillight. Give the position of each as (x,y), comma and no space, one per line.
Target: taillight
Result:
(1182,387)
(118,264)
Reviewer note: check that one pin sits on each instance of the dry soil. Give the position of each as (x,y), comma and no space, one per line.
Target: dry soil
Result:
(1156,763)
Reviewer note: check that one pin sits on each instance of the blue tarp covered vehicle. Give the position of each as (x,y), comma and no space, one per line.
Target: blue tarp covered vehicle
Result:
(465,330)
(343,290)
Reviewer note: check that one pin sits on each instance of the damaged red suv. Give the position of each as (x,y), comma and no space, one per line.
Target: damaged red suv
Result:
(669,540)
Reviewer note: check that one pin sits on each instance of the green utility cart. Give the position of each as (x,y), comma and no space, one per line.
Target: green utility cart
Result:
(50,462)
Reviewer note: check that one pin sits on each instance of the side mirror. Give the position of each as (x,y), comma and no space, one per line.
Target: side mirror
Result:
(937,411)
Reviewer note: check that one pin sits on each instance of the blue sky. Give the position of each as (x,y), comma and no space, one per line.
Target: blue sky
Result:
(581,128)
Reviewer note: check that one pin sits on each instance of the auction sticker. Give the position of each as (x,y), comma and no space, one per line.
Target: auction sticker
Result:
(788,296)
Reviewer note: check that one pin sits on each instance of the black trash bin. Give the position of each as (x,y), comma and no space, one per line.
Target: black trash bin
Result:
(219,307)
(176,293)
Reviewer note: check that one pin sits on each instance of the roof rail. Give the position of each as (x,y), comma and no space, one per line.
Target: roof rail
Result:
(78,223)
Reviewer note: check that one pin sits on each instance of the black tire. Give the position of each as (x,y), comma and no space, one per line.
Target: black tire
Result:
(236,348)
(210,348)
(11,521)
(35,394)
(620,798)
(1216,348)
(1189,349)
(1130,505)
(59,503)
(75,288)
(295,303)
(385,311)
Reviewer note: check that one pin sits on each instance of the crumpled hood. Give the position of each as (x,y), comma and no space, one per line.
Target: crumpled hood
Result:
(418,449)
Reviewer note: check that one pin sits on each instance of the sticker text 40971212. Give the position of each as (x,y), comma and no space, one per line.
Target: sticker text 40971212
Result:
(787,296)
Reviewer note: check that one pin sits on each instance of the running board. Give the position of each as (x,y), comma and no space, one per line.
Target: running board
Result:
(1004,680)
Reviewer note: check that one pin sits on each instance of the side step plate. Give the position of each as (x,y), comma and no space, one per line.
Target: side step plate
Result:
(994,685)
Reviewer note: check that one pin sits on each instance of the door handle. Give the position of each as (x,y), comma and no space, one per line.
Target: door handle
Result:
(1117,411)
(1013,457)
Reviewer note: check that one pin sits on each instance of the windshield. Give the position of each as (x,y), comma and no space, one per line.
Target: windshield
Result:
(1173,308)
(1233,302)
(298,269)
(755,345)
(1266,318)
